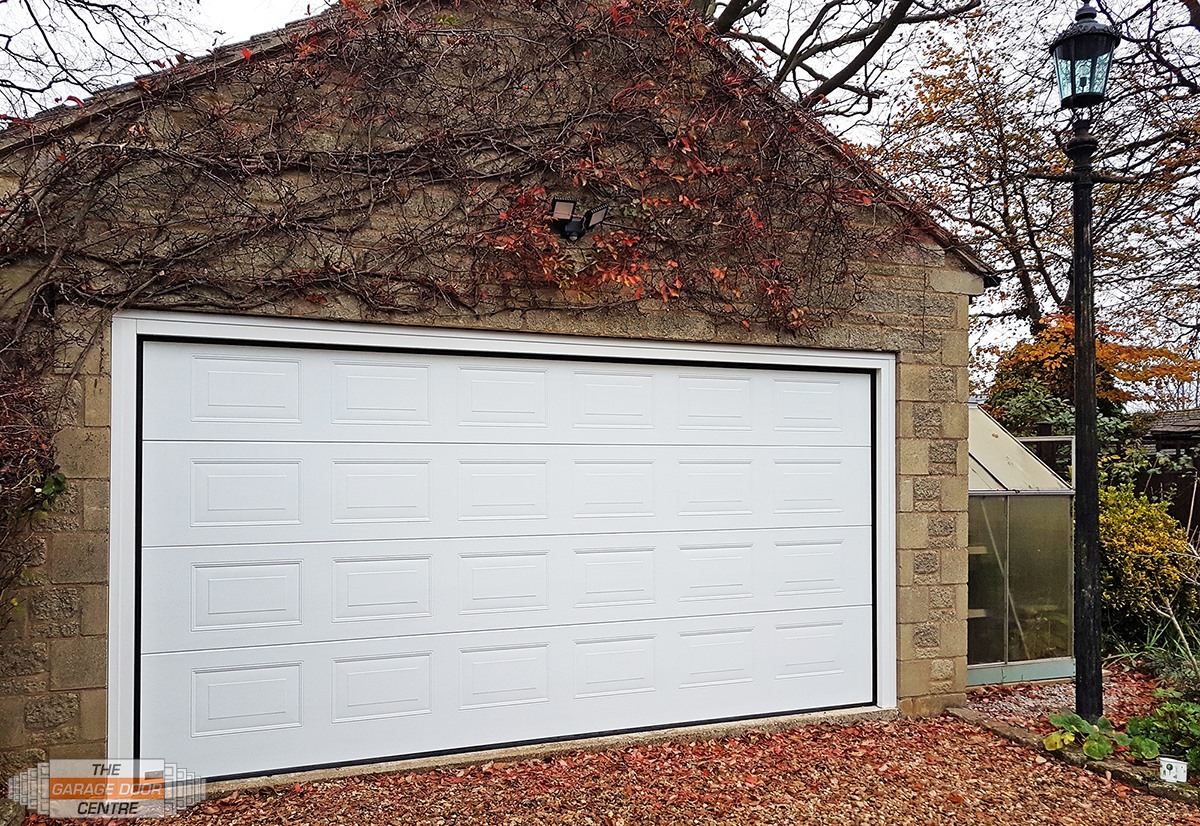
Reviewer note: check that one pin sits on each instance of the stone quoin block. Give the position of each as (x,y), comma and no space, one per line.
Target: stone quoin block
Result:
(78,558)
(51,711)
(78,662)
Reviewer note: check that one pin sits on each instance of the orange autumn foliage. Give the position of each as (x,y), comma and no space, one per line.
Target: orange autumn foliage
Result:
(1126,371)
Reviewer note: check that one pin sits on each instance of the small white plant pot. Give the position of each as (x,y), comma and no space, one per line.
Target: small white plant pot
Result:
(1172,770)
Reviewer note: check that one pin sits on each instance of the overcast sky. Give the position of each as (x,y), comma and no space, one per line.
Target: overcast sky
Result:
(228,21)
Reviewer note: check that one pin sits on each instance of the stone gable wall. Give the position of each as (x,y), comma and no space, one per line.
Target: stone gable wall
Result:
(353,184)
(53,660)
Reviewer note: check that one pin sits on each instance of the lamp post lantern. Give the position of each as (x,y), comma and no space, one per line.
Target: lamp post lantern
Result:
(1082,57)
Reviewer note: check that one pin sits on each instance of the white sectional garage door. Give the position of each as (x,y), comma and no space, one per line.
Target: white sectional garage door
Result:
(352,555)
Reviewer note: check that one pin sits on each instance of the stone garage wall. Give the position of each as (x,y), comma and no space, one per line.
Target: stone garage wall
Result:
(54,656)
(53,660)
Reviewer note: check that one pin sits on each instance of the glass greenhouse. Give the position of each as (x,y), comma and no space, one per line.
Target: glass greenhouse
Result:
(1019,576)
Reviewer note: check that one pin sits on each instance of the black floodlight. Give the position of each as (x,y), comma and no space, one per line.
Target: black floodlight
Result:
(1082,58)
(594,217)
(562,217)
(561,209)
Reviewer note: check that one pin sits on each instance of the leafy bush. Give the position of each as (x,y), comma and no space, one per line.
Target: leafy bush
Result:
(1135,464)
(1099,740)
(1174,725)
(1150,572)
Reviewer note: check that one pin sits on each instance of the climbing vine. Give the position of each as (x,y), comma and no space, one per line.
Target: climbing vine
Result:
(399,161)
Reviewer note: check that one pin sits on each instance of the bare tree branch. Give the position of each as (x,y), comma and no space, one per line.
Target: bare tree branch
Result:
(77,47)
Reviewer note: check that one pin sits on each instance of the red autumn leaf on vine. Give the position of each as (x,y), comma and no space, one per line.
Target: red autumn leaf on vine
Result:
(246,53)
(619,12)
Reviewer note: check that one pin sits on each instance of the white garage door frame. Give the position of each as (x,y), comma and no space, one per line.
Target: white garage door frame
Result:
(131,328)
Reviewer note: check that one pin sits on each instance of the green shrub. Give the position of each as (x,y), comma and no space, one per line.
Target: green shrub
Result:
(1099,739)
(1150,573)
(1174,725)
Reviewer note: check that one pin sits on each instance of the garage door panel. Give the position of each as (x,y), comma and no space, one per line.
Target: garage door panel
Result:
(212,597)
(240,595)
(367,699)
(245,389)
(351,555)
(269,394)
(201,494)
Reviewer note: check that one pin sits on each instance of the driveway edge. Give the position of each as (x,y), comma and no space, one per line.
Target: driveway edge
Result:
(1140,776)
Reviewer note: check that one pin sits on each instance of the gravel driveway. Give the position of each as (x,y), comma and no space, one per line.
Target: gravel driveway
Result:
(908,771)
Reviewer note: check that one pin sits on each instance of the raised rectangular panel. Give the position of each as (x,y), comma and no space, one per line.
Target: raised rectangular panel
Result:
(389,588)
(229,700)
(715,488)
(503,582)
(613,400)
(831,408)
(381,492)
(239,390)
(713,658)
(811,650)
(614,666)
(712,572)
(812,567)
(504,676)
(613,488)
(502,490)
(244,595)
(380,393)
(622,576)
(245,493)
(807,405)
(369,688)
(714,403)
(809,486)
(498,395)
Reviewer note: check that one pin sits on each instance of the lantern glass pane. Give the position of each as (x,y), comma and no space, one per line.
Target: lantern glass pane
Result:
(1062,68)
(1100,77)
(1084,76)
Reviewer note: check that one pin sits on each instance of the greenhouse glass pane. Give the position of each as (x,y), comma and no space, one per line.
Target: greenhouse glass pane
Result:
(987,559)
(1040,571)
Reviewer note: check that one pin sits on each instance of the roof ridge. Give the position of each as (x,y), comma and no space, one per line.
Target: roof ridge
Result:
(111,98)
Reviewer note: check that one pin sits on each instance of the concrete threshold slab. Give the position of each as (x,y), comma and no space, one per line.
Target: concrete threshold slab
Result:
(707,731)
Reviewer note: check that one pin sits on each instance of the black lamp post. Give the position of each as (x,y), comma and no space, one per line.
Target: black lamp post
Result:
(1082,56)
